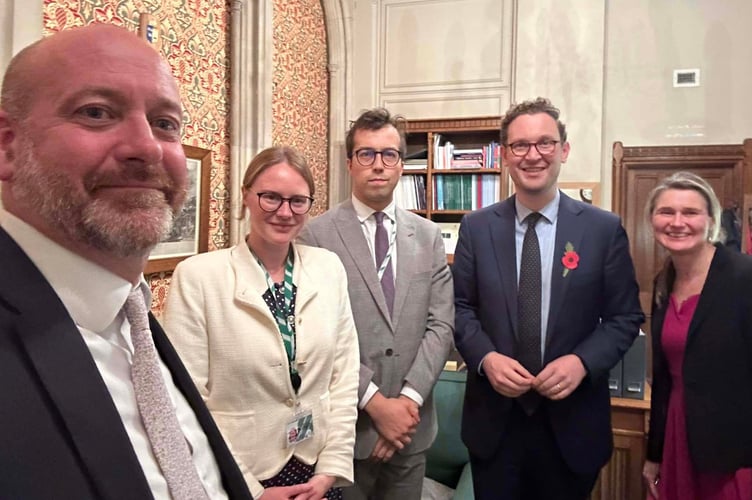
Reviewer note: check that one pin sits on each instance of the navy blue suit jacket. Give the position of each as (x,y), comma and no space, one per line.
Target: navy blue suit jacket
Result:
(60,433)
(594,313)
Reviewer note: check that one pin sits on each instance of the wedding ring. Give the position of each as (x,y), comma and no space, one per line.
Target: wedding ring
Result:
(557,387)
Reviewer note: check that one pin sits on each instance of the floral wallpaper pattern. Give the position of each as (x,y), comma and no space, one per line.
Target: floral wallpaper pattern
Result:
(300,97)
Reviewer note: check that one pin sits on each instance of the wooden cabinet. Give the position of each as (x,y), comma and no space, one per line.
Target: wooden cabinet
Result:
(449,193)
(621,478)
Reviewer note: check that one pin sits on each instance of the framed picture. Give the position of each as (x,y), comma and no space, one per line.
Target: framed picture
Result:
(190,229)
(746,216)
(589,192)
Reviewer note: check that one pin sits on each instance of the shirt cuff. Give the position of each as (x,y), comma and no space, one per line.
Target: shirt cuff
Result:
(407,390)
(372,389)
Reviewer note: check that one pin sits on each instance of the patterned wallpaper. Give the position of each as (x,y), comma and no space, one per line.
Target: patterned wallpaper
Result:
(195,41)
(300,101)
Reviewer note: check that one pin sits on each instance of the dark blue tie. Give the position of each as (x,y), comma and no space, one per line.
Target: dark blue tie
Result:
(529,310)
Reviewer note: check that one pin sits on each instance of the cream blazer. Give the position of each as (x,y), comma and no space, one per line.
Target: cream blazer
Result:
(229,341)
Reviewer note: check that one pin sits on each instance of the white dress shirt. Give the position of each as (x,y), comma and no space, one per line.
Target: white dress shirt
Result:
(94,298)
(368,224)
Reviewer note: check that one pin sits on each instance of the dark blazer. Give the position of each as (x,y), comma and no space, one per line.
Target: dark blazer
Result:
(717,369)
(594,313)
(60,433)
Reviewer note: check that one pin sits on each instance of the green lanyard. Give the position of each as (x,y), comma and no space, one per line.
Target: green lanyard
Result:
(285,317)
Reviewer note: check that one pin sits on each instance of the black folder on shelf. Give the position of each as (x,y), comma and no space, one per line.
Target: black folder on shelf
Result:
(615,380)
(633,369)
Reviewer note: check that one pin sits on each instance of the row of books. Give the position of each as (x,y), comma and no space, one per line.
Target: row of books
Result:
(410,193)
(464,192)
(449,157)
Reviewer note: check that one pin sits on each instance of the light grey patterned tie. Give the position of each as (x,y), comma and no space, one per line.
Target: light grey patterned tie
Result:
(157,413)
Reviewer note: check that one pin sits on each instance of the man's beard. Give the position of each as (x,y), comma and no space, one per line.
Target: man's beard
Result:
(123,224)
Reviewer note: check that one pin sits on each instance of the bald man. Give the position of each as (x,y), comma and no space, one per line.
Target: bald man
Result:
(92,172)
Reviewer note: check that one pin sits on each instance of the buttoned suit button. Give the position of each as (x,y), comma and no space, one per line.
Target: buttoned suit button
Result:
(389,352)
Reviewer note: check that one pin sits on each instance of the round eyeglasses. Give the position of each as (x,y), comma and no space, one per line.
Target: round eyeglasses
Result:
(544,147)
(269,201)
(390,157)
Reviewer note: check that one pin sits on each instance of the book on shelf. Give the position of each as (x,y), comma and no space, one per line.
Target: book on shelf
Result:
(449,233)
(420,154)
(415,164)
(465,192)
(410,193)
(466,163)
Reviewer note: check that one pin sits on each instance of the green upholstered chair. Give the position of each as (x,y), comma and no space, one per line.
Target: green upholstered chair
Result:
(447,460)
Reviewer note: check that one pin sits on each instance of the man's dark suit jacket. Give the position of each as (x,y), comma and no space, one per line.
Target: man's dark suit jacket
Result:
(717,369)
(594,313)
(60,433)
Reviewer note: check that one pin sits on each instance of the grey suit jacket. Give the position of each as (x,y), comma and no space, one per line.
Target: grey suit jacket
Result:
(413,345)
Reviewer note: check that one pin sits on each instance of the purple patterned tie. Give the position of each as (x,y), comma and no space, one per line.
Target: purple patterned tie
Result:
(382,246)
(157,412)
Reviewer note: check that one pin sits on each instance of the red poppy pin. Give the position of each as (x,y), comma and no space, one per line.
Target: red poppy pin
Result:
(570,259)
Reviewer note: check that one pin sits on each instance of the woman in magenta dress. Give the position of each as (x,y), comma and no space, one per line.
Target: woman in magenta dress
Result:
(700,439)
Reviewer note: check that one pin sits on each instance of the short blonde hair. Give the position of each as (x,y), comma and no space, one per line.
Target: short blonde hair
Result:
(688,181)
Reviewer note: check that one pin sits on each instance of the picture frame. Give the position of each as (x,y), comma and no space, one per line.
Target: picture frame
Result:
(588,192)
(190,232)
(746,217)
(148,29)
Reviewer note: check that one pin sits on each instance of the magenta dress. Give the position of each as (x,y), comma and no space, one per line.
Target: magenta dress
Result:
(679,480)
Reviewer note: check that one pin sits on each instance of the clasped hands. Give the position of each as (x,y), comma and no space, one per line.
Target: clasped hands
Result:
(556,381)
(396,420)
(314,489)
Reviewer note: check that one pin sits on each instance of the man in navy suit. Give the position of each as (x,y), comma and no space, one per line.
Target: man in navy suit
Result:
(92,172)
(541,431)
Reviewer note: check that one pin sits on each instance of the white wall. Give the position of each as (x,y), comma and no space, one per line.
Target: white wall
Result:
(559,55)
(646,40)
(433,58)
(20,25)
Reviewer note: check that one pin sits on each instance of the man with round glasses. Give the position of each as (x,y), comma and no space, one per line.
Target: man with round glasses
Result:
(401,296)
(547,304)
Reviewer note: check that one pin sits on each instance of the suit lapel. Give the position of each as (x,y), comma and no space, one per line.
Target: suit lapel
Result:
(715,288)
(232,478)
(568,230)
(67,373)
(351,234)
(406,260)
(503,243)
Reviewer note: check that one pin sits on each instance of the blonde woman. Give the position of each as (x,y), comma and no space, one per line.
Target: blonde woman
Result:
(700,441)
(266,331)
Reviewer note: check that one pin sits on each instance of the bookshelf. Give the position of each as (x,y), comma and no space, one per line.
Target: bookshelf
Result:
(445,182)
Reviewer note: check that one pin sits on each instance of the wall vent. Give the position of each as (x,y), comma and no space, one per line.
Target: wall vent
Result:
(686,78)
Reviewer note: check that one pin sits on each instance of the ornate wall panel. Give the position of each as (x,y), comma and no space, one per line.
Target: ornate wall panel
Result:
(300,94)
(434,58)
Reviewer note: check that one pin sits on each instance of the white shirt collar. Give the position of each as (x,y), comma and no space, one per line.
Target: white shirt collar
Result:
(363,211)
(92,294)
